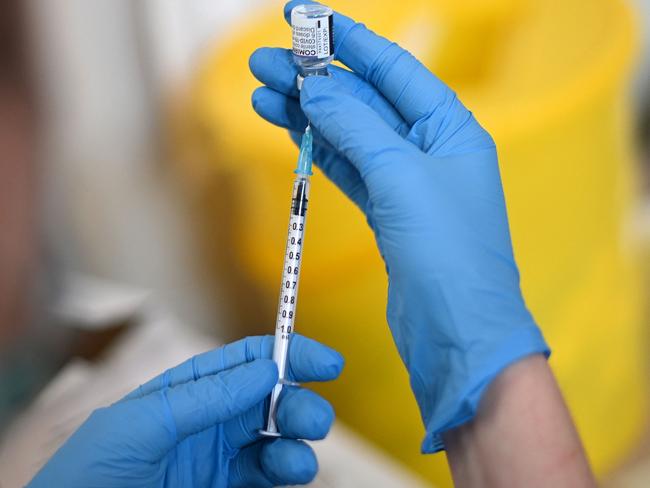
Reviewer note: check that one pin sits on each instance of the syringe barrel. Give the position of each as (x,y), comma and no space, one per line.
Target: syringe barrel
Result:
(288,300)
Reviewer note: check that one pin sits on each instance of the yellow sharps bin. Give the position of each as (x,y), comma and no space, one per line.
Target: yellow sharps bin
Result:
(547,79)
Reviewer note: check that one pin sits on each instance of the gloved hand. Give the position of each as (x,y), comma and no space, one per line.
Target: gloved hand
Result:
(401,145)
(197,425)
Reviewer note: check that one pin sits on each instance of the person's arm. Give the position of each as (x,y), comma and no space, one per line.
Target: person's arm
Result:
(522,435)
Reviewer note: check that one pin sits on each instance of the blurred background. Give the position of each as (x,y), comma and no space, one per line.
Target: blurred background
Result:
(125,129)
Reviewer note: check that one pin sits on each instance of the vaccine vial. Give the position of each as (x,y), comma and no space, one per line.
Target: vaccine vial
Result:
(313,39)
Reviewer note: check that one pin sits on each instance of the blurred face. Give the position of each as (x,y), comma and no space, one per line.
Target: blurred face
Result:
(17,210)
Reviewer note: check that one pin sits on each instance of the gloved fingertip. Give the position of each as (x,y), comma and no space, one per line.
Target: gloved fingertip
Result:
(264,61)
(313,361)
(257,98)
(304,414)
(288,461)
(322,422)
(331,363)
(267,102)
(255,59)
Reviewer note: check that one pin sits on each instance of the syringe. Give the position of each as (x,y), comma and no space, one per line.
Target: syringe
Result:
(284,324)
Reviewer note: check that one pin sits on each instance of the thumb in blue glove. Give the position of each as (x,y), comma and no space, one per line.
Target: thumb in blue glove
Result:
(400,144)
(197,425)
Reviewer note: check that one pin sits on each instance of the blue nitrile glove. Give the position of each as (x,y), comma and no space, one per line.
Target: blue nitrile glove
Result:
(400,144)
(197,425)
